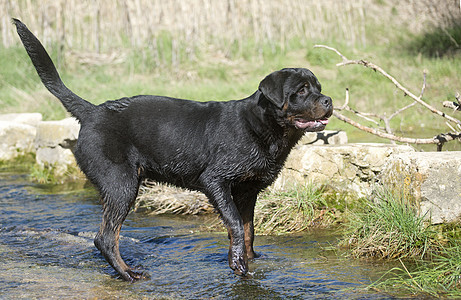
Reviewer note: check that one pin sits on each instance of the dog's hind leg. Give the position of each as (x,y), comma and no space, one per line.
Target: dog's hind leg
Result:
(248,227)
(117,200)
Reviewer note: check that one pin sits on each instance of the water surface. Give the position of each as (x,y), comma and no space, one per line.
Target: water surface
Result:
(47,251)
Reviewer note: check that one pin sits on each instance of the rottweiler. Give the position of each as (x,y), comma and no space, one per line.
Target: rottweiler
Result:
(229,150)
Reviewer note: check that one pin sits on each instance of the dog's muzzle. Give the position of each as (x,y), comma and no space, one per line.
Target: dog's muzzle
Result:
(324,111)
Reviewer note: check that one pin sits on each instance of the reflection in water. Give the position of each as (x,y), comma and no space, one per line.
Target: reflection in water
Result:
(46,250)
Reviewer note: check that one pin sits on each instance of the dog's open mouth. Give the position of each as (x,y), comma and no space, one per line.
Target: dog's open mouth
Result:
(307,125)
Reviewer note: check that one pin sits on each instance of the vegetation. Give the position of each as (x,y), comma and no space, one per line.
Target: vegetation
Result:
(295,210)
(430,255)
(20,163)
(42,174)
(441,276)
(223,54)
(157,198)
(388,228)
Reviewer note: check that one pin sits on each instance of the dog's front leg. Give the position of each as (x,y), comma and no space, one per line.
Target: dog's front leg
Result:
(220,197)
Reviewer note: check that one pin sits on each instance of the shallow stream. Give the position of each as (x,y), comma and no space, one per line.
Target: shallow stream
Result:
(47,251)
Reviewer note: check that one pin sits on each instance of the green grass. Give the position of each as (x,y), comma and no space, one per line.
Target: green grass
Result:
(235,76)
(429,255)
(389,229)
(42,174)
(438,277)
(18,164)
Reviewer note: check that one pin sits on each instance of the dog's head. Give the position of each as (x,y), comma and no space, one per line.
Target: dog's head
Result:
(296,94)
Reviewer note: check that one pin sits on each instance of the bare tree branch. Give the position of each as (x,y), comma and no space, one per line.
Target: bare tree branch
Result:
(454,105)
(346,102)
(415,102)
(388,134)
(439,139)
(402,109)
(424,84)
(374,67)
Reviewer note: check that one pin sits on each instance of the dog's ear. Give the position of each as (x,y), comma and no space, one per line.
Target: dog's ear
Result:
(272,87)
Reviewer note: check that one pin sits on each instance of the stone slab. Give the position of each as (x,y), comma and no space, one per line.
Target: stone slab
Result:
(431,179)
(16,139)
(57,133)
(54,144)
(351,167)
(24,118)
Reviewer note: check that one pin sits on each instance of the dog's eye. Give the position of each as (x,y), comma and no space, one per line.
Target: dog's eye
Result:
(303,90)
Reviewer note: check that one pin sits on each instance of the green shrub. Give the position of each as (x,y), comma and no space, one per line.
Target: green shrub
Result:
(438,42)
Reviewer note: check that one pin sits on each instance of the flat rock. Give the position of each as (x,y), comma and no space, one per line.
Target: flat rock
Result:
(351,167)
(24,118)
(431,179)
(54,144)
(16,139)
(62,133)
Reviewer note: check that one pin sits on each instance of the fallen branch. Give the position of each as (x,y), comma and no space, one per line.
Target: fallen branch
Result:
(387,133)
(454,105)
(439,139)
(374,67)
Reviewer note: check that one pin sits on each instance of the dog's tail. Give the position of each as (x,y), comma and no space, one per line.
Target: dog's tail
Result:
(78,107)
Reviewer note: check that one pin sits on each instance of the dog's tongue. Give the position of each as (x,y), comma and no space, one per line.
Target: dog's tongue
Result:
(304,124)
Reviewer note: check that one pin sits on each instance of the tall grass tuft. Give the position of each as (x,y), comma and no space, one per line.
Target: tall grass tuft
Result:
(158,199)
(438,42)
(390,228)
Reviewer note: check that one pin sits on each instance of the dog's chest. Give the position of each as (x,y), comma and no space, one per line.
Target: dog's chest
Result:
(268,161)
(263,166)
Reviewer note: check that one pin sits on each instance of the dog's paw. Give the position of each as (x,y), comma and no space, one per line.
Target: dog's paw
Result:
(135,275)
(239,264)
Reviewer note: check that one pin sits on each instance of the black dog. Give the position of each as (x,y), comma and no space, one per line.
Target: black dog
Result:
(228,150)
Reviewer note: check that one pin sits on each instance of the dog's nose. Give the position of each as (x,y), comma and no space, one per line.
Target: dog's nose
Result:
(326,102)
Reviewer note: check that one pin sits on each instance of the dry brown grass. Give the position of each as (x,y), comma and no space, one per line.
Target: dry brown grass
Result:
(106,25)
(275,212)
(159,199)
(295,210)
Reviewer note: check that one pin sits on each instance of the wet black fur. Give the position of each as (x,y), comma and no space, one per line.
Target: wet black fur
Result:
(228,150)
